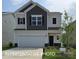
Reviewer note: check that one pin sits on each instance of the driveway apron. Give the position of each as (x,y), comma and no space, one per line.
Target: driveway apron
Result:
(23,53)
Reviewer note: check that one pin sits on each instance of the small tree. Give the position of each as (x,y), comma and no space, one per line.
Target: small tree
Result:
(67,29)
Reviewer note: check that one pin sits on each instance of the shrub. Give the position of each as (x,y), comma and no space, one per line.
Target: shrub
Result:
(46,45)
(10,44)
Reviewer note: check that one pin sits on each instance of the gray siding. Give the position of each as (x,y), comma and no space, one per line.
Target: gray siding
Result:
(37,11)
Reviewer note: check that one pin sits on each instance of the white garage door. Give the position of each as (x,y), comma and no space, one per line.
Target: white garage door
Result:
(31,41)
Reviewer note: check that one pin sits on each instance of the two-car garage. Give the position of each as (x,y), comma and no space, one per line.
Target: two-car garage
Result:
(30,39)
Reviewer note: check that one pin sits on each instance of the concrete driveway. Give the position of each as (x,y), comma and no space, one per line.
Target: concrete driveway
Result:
(23,53)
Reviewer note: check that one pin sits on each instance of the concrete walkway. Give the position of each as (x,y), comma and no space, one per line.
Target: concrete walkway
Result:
(23,53)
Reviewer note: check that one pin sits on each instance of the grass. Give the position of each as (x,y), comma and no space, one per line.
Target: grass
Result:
(9,46)
(56,57)
(6,48)
(58,54)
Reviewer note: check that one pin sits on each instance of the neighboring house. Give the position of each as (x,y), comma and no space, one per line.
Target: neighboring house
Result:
(7,28)
(32,25)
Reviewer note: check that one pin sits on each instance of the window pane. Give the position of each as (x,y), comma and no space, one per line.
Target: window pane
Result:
(23,20)
(39,23)
(34,23)
(33,18)
(54,20)
(39,18)
(18,20)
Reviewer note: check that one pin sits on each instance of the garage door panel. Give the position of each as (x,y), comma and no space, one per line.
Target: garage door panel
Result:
(30,41)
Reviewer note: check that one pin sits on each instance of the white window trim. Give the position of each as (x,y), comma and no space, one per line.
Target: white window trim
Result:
(21,20)
(36,20)
(36,15)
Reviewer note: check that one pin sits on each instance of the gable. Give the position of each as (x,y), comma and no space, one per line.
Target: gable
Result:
(37,11)
(28,5)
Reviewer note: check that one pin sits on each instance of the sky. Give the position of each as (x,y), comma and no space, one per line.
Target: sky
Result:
(51,5)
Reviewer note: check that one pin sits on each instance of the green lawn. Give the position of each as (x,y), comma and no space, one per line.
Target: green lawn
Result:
(58,54)
(9,46)
(6,48)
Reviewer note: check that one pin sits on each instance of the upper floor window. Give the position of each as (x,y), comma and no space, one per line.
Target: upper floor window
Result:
(54,20)
(36,20)
(21,20)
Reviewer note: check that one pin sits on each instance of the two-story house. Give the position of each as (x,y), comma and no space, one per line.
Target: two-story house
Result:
(34,26)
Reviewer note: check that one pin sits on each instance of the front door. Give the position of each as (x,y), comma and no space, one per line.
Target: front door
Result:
(51,39)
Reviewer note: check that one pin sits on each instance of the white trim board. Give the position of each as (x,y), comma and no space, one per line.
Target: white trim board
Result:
(36,15)
(29,8)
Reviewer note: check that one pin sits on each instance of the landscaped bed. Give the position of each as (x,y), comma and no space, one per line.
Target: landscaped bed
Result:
(9,46)
(6,48)
(53,53)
